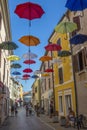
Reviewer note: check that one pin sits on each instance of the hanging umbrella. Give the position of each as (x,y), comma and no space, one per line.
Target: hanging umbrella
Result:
(35,76)
(45,58)
(16,73)
(45,75)
(49,70)
(29,40)
(27,70)
(13,57)
(76,5)
(8,45)
(53,47)
(66,27)
(56,61)
(25,78)
(29,62)
(78,39)
(15,65)
(26,75)
(29,55)
(29,10)
(37,72)
(17,77)
(64,53)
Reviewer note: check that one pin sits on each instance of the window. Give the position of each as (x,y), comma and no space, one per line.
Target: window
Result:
(59,43)
(80,60)
(49,83)
(77,21)
(36,90)
(60,104)
(60,76)
(68,102)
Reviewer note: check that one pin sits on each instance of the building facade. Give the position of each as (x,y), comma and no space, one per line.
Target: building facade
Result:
(5,35)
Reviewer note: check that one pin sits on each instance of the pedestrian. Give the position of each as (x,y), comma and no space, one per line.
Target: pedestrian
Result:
(70,117)
(12,110)
(16,111)
(51,109)
(27,109)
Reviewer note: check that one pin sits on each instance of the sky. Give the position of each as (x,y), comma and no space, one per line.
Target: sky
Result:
(41,28)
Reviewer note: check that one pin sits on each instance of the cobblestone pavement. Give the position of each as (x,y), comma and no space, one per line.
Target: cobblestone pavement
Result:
(56,126)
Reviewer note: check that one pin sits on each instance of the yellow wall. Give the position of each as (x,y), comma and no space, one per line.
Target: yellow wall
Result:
(67,71)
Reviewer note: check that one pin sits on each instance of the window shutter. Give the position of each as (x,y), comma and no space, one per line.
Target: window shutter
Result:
(85,56)
(77,21)
(75,62)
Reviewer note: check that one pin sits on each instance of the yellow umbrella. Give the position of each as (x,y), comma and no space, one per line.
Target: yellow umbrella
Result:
(29,40)
(45,75)
(45,58)
(13,57)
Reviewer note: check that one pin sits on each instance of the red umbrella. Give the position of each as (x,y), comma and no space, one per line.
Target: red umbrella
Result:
(27,70)
(29,10)
(29,62)
(49,70)
(53,47)
(26,76)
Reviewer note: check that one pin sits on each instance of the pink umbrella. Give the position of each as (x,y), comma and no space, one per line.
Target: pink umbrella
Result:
(49,70)
(53,47)
(27,70)
(29,10)
(29,62)
(26,76)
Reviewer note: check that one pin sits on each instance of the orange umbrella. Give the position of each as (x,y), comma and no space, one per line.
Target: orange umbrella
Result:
(45,58)
(29,40)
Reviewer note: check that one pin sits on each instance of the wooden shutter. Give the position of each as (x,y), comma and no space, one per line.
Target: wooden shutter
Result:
(77,21)
(75,63)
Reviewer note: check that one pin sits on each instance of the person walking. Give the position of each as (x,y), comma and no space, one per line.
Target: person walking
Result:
(12,110)
(16,111)
(27,109)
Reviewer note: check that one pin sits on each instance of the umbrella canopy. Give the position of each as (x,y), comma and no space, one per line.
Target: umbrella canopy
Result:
(29,40)
(78,39)
(13,58)
(25,78)
(49,70)
(64,53)
(8,45)
(26,75)
(29,55)
(15,65)
(29,10)
(35,76)
(16,73)
(37,72)
(29,62)
(45,58)
(45,75)
(27,70)
(56,61)
(76,5)
(53,47)
(66,27)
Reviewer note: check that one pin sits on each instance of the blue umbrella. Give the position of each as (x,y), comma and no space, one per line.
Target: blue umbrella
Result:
(16,73)
(78,39)
(76,5)
(35,76)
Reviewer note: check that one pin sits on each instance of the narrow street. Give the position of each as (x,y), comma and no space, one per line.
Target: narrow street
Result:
(21,122)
